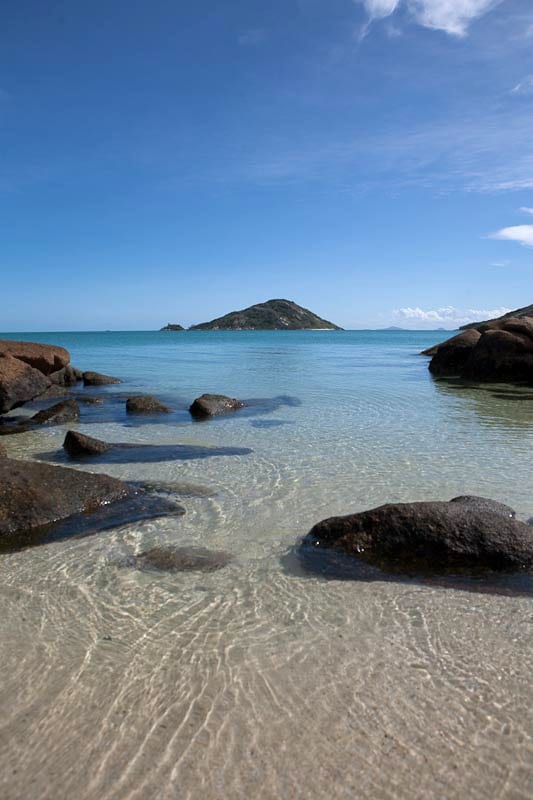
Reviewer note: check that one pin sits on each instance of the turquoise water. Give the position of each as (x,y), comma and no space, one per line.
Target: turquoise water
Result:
(259,680)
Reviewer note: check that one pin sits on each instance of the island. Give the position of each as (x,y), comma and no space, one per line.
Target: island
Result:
(272,315)
(172,327)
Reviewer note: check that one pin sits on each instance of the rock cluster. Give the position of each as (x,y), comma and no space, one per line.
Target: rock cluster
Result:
(501,352)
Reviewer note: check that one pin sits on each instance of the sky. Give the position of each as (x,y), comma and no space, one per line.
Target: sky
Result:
(171,161)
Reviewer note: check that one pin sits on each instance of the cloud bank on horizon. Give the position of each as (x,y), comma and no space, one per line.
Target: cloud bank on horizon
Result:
(448,315)
(451,16)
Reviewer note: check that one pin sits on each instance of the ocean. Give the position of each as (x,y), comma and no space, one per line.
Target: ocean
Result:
(261,679)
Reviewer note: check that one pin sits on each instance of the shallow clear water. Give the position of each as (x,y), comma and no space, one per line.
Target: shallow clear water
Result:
(260,680)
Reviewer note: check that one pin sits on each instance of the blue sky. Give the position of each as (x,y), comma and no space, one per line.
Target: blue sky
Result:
(172,161)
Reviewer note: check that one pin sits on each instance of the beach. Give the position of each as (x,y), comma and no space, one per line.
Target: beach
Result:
(262,679)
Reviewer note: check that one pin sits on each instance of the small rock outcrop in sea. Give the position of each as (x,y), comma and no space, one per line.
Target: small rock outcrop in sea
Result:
(68,376)
(145,404)
(463,534)
(33,494)
(78,444)
(211,405)
(19,382)
(97,379)
(272,315)
(171,326)
(163,558)
(502,352)
(66,411)
(46,358)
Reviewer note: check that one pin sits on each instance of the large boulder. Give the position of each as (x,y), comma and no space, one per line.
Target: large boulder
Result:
(19,382)
(465,533)
(450,357)
(34,494)
(145,404)
(97,379)
(210,405)
(503,353)
(46,358)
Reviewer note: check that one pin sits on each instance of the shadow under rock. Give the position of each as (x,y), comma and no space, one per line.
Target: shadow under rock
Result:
(255,407)
(133,509)
(305,561)
(126,453)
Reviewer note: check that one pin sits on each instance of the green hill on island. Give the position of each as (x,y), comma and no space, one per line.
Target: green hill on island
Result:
(527,311)
(272,315)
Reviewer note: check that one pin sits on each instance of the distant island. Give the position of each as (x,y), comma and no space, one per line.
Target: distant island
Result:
(172,327)
(270,316)
(527,311)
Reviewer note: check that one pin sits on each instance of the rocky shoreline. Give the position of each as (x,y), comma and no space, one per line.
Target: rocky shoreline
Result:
(41,501)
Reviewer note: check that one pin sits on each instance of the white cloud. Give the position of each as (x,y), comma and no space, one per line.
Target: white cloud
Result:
(452,16)
(526,210)
(523,234)
(524,87)
(500,263)
(448,315)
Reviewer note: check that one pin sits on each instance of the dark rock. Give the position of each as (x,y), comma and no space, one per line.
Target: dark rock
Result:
(67,411)
(466,534)
(33,494)
(3,451)
(45,358)
(19,383)
(78,444)
(484,504)
(68,376)
(97,379)
(145,404)
(451,356)
(210,405)
(503,354)
(181,559)
(171,326)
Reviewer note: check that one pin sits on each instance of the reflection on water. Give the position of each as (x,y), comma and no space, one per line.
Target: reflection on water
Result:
(493,403)
(262,679)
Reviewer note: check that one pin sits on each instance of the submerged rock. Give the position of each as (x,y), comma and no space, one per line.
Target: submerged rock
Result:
(78,444)
(97,379)
(210,405)
(145,404)
(67,411)
(466,533)
(33,494)
(19,383)
(46,358)
(181,489)
(181,559)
